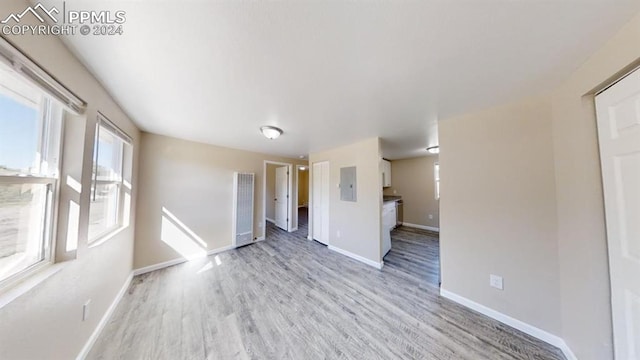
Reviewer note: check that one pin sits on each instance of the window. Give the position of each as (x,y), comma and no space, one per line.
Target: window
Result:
(30,134)
(436,175)
(111,186)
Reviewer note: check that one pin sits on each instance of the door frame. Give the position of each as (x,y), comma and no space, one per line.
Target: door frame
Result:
(290,213)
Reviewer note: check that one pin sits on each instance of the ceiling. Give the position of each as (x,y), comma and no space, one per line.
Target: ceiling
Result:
(330,73)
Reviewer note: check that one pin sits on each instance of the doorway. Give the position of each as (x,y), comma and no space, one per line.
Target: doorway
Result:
(277,198)
(618,122)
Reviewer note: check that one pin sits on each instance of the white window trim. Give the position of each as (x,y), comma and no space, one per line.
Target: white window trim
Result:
(122,184)
(51,217)
(30,277)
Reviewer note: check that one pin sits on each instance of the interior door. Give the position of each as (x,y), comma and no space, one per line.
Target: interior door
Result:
(618,111)
(320,200)
(282,197)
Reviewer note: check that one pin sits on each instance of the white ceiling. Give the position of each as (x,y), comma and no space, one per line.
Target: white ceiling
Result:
(331,73)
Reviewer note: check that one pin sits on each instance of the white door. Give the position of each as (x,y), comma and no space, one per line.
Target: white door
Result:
(618,110)
(282,197)
(320,201)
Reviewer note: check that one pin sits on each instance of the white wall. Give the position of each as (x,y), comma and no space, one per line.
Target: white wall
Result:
(358,222)
(46,322)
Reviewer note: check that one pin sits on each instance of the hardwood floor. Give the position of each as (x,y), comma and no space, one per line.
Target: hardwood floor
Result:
(415,252)
(291,298)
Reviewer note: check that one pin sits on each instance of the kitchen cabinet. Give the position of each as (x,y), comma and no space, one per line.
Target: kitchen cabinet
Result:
(386,173)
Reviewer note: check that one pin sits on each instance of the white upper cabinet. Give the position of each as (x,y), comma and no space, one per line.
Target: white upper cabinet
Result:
(386,173)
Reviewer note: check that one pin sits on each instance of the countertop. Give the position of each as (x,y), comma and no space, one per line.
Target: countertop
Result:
(391,198)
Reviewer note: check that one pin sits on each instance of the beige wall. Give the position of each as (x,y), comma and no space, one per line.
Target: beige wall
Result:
(303,188)
(584,272)
(556,269)
(358,222)
(194,181)
(46,322)
(413,179)
(498,212)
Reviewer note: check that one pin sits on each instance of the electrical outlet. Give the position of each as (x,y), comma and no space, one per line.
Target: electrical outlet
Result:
(338,233)
(430,216)
(395,191)
(496,282)
(85,310)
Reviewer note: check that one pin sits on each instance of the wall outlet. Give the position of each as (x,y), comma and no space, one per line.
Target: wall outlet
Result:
(85,310)
(338,233)
(395,191)
(496,282)
(430,216)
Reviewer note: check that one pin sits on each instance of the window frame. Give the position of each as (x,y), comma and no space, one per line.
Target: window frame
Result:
(123,186)
(49,112)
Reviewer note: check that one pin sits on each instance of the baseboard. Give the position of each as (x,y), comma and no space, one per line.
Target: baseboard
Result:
(309,237)
(165,264)
(270,220)
(294,229)
(105,319)
(423,227)
(260,238)
(514,323)
(377,265)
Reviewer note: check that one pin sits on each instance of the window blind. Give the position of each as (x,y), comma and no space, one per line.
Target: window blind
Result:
(22,64)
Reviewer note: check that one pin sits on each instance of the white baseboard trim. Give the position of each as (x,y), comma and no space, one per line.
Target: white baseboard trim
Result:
(105,319)
(514,323)
(377,265)
(309,237)
(423,227)
(270,220)
(165,264)
(260,238)
(294,229)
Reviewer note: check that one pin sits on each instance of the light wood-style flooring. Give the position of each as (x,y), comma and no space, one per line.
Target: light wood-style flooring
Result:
(291,298)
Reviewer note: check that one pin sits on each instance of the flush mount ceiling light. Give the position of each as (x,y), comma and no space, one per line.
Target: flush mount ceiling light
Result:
(303,168)
(271,132)
(433,149)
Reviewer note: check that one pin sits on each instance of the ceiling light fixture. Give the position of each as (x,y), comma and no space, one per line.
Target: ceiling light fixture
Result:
(433,149)
(303,168)
(271,132)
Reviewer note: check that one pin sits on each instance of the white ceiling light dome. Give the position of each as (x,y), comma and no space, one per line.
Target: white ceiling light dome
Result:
(433,149)
(271,132)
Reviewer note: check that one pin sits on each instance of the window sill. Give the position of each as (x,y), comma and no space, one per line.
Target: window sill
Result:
(13,292)
(106,237)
